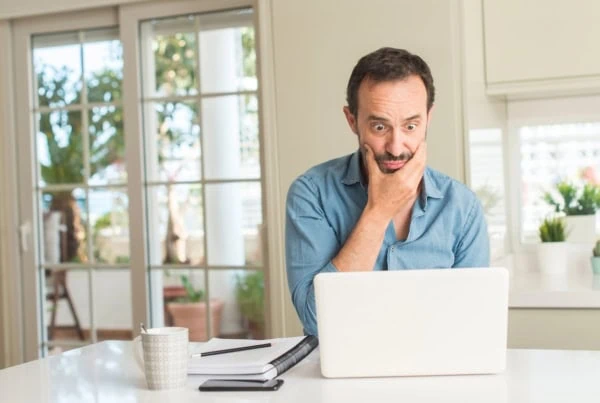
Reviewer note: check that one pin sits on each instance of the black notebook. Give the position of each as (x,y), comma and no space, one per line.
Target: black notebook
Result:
(258,364)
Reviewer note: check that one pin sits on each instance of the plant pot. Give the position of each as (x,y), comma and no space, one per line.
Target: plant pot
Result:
(193,316)
(552,257)
(256,330)
(596,265)
(581,228)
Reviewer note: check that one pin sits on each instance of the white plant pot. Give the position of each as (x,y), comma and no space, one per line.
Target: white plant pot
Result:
(581,228)
(552,257)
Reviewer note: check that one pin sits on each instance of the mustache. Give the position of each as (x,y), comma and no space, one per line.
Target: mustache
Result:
(405,156)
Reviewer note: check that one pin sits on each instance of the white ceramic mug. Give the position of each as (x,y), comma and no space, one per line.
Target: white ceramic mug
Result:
(162,353)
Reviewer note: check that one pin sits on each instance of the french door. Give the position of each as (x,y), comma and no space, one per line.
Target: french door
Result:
(140,180)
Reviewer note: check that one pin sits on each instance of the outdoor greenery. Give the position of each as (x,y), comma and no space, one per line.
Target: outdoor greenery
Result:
(574,200)
(192,294)
(250,295)
(553,229)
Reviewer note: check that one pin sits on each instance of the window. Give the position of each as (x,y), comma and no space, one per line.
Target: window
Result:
(548,141)
(550,154)
(487,181)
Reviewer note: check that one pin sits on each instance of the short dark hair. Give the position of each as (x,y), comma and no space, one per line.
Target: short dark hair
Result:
(388,64)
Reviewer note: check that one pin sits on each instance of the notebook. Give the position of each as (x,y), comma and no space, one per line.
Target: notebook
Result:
(259,364)
(412,322)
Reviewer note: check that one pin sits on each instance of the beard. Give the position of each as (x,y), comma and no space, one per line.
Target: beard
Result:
(387,157)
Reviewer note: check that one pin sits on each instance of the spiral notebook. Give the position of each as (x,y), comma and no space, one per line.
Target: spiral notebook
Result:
(258,364)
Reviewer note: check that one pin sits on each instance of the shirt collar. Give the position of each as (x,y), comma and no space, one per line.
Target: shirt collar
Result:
(353,175)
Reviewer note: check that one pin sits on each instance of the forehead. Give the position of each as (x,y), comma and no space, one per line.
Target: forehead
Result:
(406,96)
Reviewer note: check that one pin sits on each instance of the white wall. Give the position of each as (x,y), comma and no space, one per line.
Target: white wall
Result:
(23,8)
(316,45)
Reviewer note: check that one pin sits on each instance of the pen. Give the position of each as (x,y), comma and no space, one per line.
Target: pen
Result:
(231,350)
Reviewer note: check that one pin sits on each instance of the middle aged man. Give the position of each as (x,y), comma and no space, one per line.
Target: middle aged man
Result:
(381,208)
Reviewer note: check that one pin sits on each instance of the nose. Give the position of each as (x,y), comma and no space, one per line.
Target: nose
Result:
(396,143)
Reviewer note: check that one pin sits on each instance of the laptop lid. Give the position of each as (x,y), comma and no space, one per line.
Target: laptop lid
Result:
(412,322)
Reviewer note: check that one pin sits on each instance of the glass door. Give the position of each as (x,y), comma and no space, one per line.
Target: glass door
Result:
(202,176)
(139,168)
(73,183)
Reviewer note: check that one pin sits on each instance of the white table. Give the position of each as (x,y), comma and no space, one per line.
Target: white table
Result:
(107,372)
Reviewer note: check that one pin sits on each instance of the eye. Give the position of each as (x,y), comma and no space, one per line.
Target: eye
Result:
(378,127)
(411,127)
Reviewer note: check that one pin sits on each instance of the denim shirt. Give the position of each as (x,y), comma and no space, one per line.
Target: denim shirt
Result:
(447,228)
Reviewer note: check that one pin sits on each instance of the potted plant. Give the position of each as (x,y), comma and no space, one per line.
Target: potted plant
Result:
(190,311)
(596,258)
(552,253)
(580,206)
(250,296)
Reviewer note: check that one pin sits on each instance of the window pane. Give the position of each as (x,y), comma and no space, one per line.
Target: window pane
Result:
(242,295)
(112,292)
(61,315)
(487,181)
(171,45)
(232,66)
(549,154)
(234,224)
(60,147)
(231,144)
(175,229)
(107,145)
(103,62)
(58,74)
(184,301)
(109,220)
(173,142)
(63,222)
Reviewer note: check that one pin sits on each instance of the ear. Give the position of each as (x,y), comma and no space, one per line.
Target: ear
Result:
(351,119)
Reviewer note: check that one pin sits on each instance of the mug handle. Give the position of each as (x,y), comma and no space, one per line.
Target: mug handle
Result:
(138,353)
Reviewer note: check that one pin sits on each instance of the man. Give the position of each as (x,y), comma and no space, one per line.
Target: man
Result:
(381,208)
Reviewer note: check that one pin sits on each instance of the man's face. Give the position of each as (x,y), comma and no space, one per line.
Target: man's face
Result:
(392,119)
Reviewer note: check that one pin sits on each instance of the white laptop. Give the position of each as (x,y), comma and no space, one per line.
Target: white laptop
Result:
(412,322)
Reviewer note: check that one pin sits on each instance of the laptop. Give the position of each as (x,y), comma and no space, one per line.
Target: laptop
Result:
(412,322)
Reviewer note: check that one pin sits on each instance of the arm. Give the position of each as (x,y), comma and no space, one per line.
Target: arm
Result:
(473,248)
(310,243)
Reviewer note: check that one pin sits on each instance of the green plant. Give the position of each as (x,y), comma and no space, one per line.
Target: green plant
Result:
(596,250)
(574,200)
(250,293)
(553,230)
(191,293)
(589,201)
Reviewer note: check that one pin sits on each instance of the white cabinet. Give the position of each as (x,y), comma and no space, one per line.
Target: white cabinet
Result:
(542,46)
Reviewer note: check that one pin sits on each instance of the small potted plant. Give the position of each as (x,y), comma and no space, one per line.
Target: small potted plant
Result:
(596,258)
(190,311)
(552,253)
(250,296)
(580,206)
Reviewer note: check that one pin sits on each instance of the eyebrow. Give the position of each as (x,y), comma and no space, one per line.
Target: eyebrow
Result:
(382,119)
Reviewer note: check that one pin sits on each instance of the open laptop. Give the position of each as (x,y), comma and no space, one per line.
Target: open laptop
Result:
(412,322)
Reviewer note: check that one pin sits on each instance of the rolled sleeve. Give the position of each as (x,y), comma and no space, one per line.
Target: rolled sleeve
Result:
(473,249)
(310,244)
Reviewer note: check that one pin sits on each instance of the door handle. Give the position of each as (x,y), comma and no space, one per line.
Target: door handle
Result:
(24,232)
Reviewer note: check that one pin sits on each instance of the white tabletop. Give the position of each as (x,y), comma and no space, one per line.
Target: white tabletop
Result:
(107,372)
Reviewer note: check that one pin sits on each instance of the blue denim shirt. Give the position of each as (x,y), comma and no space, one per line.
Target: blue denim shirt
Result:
(447,228)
